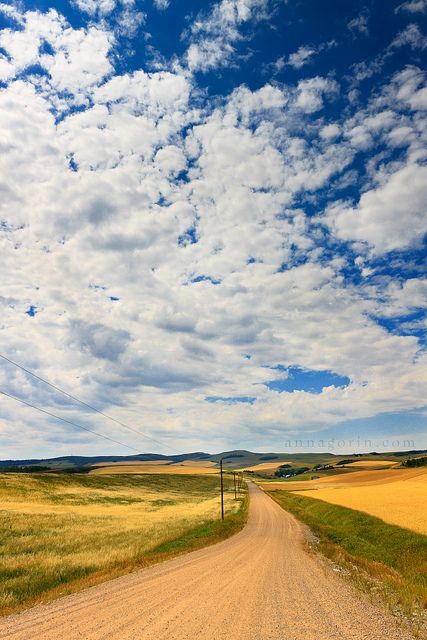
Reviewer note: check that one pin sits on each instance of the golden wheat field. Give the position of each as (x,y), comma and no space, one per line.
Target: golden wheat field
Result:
(154,468)
(350,478)
(59,529)
(401,502)
(132,463)
(265,466)
(374,464)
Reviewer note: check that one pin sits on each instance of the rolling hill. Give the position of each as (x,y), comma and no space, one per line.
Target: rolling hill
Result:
(236,459)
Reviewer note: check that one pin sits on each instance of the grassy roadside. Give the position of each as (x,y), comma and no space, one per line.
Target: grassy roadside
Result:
(60,534)
(386,560)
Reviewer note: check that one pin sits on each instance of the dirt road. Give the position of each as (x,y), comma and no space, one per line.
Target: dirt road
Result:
(260,584)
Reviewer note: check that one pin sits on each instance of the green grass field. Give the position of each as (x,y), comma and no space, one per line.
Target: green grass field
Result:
(59,533)
(395,559)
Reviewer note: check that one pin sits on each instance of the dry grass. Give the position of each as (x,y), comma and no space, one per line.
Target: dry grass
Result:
(265,466)
(149,467)
(59,531)
(374,464)
(206,464)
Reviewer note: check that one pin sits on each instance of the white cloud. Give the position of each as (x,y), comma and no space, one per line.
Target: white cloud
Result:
(408,87)
(413,6)
(411,36)
(163,239)
(390,216)
(359,24)
(330,131)
(80,61)
(311,92)
(212,35)
(92,7)
(301,57)
(161,4)
(79,58)
(304,55)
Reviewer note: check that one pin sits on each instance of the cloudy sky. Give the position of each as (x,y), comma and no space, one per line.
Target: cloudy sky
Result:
(211,222)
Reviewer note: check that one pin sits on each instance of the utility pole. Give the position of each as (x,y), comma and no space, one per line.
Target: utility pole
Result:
(235,487)
(222,492)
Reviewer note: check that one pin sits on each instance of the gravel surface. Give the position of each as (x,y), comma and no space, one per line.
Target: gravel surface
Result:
(261,584)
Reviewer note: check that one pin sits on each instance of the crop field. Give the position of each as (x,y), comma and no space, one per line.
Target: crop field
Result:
(61,532)
(132,463)
(155,468)
(402,502)
(397,496)
(374,464)
(265,466)
(344,478)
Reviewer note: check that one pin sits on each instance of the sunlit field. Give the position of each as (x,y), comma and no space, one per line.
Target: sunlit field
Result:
(402,502)
(373,464)
(60,532)
(155,467)
(397,496)
(268,467)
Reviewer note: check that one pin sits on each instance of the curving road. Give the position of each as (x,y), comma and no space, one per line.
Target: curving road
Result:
(261,584)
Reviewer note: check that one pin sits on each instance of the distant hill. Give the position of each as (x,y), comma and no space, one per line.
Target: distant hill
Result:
(236,459)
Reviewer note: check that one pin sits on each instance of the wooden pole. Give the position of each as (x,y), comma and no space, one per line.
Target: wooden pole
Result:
(235,485)
(222,493)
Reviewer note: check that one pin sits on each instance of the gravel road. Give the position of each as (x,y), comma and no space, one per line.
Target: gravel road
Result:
(261,584)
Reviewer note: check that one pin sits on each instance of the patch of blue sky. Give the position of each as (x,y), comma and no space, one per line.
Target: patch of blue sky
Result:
(73,164)
(189,237)
(299,379)
(205,279)
(31,311)
(231,399)
(401,265)
(411,324)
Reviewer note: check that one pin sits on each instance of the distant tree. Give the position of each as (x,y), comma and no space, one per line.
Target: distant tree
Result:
(287,470)
(415,462)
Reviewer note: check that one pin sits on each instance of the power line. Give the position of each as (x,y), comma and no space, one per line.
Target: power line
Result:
(74,424)
(85,404)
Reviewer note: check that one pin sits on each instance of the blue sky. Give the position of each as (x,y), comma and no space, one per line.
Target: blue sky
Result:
(213,223)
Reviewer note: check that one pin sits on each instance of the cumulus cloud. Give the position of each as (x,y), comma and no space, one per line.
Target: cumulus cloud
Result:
(391,216)
(92,7)
(213,35)
(169,245)
(77,59)
(311,93)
